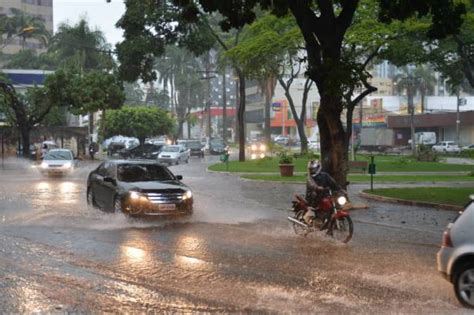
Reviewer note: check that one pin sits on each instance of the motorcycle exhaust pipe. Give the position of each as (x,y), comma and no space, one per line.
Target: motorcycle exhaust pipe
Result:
(298,222)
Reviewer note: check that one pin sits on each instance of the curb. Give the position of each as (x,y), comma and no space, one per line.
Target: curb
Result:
(410,202)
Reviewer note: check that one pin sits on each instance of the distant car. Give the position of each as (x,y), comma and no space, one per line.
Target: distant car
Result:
(114,148)
(446,147)
(33,151)
(138,188)
(257,149)
(468,148)
(314,145)
(173,154)
(195,147)
(456,257)
(142,151)
(217,146)
(58,162)
(282,140)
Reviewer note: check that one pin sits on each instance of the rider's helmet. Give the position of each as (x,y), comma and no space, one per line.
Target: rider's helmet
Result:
(314,167)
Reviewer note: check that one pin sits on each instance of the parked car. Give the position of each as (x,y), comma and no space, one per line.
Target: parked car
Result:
(138,188)
(58,162)
(456,257)
(218,146)
(282,140)
(33,152)
(468,148)
(195,147)
(173,154)
(114,148)
(142,151)
(446,147)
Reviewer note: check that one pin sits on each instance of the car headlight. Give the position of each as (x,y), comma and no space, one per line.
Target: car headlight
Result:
(44,165)
(134,195)
(253,147)
(67,165)
(187,195)
(263,147)
(342,200)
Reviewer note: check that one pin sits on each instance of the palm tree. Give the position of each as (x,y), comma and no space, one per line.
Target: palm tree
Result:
(25,26)
(421,80)
(81,47)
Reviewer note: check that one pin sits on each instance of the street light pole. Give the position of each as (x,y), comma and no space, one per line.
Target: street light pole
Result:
(224,107)
(458,118)
(411,108)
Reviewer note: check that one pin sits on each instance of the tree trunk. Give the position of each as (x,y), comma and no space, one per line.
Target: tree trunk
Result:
(180,128)
(188,123)
(91,126)
(25,138)
(224,108)
(269,91)
(334,147)
(241,115)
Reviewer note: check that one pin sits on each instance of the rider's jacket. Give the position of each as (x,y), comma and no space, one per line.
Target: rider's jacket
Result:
(322,179)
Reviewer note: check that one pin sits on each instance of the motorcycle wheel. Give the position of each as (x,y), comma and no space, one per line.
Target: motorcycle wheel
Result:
(343,233)
(300,230)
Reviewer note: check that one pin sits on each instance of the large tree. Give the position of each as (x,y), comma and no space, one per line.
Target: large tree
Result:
(323,24)
(26,111)
(139,122)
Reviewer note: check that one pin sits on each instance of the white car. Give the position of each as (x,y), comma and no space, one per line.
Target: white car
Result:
(456,257)
(173,154)
(446,147)
(58,162)
(282,140)
(468,148)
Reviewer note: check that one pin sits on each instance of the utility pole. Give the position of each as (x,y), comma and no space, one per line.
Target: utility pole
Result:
(460,102)
(224,107)
(411,109)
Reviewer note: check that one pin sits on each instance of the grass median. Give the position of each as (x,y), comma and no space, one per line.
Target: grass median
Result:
(437,195)
(383,163)
(362,179)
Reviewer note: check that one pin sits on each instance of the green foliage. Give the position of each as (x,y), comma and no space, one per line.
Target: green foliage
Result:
(139,122)
(285,158)
(468,154)
(424,153)
(29,59)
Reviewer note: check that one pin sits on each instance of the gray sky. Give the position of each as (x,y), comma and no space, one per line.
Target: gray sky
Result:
(99,14)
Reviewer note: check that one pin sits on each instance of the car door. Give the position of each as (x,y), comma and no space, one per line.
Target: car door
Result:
(109,188)
(97,183)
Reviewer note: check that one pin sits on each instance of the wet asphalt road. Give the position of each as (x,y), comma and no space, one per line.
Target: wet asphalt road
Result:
(237,253)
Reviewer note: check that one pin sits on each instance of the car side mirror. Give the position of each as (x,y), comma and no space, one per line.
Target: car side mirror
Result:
(179,177)
(110,180)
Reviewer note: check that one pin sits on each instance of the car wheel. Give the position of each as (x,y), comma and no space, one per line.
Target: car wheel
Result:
(118,206)
(177,162)
(464,285)
(90,197)
(187,160)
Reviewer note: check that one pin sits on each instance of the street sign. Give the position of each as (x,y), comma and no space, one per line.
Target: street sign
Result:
(276,107)
(462,101)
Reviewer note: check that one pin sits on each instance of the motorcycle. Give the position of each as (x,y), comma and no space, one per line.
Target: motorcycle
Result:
(328,215)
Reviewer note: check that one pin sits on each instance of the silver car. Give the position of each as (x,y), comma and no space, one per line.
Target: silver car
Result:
(173,154)
(58,162)
(456,256)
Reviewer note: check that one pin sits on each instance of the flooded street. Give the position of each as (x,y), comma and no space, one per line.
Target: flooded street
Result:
(236,253)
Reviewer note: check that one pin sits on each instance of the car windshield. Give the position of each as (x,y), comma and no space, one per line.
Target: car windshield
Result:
(170,149)
(194,145)
(143,173)
(58,155)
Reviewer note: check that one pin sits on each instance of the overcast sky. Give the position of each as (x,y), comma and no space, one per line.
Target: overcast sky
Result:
(99,13)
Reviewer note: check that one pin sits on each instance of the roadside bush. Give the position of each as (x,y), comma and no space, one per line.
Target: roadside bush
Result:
(425,154)
(468,154)
(310,155)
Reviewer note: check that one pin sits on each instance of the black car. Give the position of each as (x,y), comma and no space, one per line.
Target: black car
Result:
(138,188)
(33,152)
(218,147)
(142,151)
(114,148)
(195,148)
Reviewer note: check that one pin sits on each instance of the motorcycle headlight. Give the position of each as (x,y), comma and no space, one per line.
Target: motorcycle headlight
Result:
(187,195)
(342,200)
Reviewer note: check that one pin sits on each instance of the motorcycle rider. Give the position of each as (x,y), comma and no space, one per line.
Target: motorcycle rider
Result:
(316,185)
